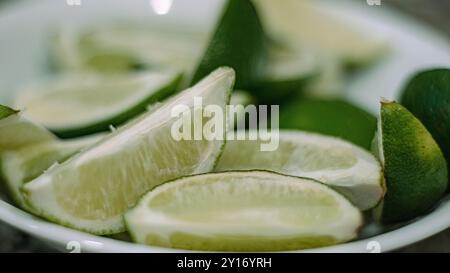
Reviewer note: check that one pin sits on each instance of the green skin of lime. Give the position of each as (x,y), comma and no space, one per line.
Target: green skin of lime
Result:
(6,112)
(415,168)
(427,96)
(238,42)
(330,117)
(121,117)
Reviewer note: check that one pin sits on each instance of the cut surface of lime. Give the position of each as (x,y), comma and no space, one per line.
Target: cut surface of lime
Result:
(93,189)
(415,168)
(243,211)
(26,163)
(83,104)
(17,131)
(307,23)
(350,170)
(125,47)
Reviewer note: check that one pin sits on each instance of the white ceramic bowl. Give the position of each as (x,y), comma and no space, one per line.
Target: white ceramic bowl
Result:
(24,29)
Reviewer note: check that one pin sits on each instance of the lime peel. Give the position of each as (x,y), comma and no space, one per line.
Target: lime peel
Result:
(243,211)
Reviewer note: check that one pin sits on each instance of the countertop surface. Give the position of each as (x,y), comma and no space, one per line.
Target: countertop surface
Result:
(433,12)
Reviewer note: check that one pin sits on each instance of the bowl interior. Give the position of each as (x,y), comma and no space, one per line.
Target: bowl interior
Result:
(25,28)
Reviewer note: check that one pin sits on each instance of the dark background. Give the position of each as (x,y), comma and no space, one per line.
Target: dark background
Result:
(433,12)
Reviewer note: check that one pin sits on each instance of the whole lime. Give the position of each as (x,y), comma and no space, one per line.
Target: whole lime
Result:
(427,96)
(414,166)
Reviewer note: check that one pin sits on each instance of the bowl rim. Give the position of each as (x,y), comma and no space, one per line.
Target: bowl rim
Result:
(424,227)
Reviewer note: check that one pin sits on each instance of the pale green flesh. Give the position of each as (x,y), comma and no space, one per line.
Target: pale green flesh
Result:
(133,173)
(247,211)
(239,243)
(290,22)
(104,181)
(81,100)
(24,164)
(345,167)
(17,132)
(296,157)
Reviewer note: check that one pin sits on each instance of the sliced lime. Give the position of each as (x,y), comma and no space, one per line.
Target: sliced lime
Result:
(347,168)
(238,42)
(24,164)
(243,211)
(307,23)
(415,168)
(84,104)
(16,131)
(93,189)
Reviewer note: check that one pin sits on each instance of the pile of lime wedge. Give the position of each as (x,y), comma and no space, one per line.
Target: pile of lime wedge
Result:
(93,148)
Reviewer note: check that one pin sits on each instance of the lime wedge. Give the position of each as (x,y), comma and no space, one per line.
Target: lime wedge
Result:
(16,131)
(350,170)
(84,104)
(243,211)
(415,168)
(93,189)
(124,47)
(307,23)
(24,164)
(238,42)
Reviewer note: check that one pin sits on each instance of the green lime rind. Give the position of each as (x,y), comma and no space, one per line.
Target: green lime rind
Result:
(334,117)
(198,233)
(415,168)
(238,42)
(427,96)
(6,111)
(123,116)
(57,220)
(103,123)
